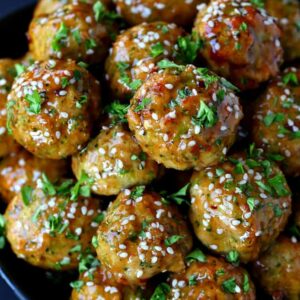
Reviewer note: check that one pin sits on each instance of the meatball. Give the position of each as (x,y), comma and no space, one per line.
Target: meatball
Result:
(185,117)
(103,285)
(135,54)
(276,120)
(47,229)
(142,236)
(114,161)
(287,13)
(211,279)
(7,143)
(135,12)
(53,106)
(278,269)
(241,42)
(49,6)
(240,205)
(21,169)
(73,31)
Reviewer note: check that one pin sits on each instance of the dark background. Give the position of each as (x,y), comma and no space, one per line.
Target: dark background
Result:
(6,8)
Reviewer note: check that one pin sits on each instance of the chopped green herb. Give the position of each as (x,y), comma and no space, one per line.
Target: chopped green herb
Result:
(101,13)
(271,118)
(82,99)
(98,219)
(207,76)
(90,44)
(258,3)
(26,192)
(239,168)
(157,50)
(278,184)
(145,102)
(251,203)
(64,82)
(166,64)
(137,192)
(95,241)
(246,284)
(173,239)
(19,69)
(9,116)
(47,186)
(243,26)
(2,231)
(290,78)
(77,285)
(35,102)
(196,255)
(118,112)
(82,187)
(230,286)
(77,35)
(233,256)
(193,279)
(161,292)
(206,116)
(60,37)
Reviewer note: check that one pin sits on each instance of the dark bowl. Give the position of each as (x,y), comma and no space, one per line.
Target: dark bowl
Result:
(27,282)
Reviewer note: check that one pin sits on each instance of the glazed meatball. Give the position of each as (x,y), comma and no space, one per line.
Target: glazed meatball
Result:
(114,161)
(102,286)
(21,169)
(135,54)
(240,205)
(74,31)
(136,12)
(49,6)
(211,279)
(287,13)
(278,269)
(53,106)
(7,143)
(185,117)
(276,120)
(47,229)
(141,236)
(241,42)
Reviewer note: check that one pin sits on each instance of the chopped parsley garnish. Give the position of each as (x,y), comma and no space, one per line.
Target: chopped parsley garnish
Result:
(246,284)
(125,79)
(278,184)
(82,99)
(137,192)
(95,241)
(270,118)
(98,219)
(82,187)
(2,231)
(251,203)
(75,249)
(56,224)
(193,279)
(60,37)
(290,78)
(207,76)
(243,26)
(179,197)
(64,82)
(35,102)
(206,116)
(258,3)
(26,192)
(87,262)
(90,44)
(239,168)
(229,286)
(161,292)
(48,188)
(19,69)
(157,50)
(9,117)
(196,255)
(117,111)
(77,36)
(188,48)
(275,157)
(173,239)
(166,64)
(145,102)
(233,256)
(77,285)
(101,13)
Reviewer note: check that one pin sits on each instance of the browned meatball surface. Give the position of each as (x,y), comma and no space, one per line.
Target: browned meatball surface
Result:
(278,270)
(241,42)
(276,120)
(49,230)
(78,31)
(7,143)
(185,117)
(211,279)
(135,12)
(114,161)
(135,53)
(49,6)
(240,205)
(141,237)
(97,283)
(53,106)
(21,169)
(287,13)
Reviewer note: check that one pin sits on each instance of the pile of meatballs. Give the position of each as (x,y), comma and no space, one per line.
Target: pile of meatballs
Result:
(153,146)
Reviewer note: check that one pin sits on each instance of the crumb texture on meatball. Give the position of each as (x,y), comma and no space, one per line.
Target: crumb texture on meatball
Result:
(241,205)
(53,106)
(185,117)
(142,233)
(241,41)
